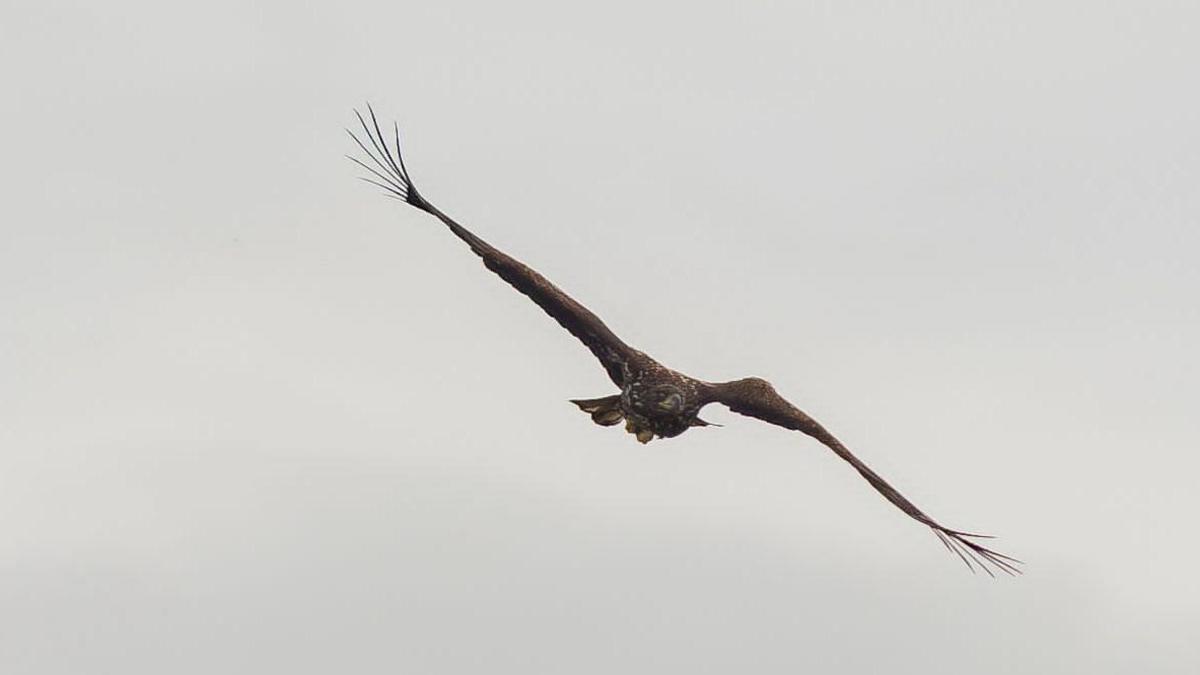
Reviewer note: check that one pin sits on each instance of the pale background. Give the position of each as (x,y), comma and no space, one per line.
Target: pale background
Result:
(256,419)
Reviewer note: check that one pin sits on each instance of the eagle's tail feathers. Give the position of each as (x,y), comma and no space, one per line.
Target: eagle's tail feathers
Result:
(605,411)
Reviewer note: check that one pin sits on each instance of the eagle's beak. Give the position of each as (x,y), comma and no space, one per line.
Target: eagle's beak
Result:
(670,403)
(644,436)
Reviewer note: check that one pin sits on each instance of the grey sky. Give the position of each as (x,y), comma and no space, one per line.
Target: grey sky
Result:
(256,418)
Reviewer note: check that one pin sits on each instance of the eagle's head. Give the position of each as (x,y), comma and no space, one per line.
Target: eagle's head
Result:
(665,400)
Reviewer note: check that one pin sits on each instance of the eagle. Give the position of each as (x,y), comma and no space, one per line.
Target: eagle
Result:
(653,400)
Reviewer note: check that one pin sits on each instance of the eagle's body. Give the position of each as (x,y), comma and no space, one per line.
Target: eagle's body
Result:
(653,400)
(659,400)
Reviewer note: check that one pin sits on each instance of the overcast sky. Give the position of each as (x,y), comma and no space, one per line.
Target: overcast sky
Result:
(256,418)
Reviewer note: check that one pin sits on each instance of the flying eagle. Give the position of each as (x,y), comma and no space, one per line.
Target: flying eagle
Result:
(654,401)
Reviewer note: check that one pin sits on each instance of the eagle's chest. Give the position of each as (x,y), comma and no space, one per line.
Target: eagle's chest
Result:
(636,398)
(658,396)
(658,399)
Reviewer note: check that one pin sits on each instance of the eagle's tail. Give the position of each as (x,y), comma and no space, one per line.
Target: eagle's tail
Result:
(389,171)
(605,411)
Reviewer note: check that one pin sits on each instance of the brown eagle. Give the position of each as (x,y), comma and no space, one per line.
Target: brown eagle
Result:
(654,401)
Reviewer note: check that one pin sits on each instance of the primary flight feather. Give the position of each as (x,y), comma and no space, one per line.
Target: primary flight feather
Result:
(654,400)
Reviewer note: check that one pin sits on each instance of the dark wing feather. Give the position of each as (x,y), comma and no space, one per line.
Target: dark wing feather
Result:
(757,398)
(389,173)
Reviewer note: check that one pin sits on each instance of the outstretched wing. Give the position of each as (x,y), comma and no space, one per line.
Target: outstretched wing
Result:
(388,172)
(757,398)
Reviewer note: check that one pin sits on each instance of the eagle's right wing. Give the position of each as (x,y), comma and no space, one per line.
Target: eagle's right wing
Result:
(756,398)
(390,174)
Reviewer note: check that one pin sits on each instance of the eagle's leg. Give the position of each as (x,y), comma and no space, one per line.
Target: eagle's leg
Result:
(604,411)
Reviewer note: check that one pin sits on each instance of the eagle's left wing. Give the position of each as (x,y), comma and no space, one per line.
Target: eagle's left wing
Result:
(390,174)
(755,397)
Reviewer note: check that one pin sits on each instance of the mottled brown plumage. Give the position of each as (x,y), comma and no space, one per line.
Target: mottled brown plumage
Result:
(654,400)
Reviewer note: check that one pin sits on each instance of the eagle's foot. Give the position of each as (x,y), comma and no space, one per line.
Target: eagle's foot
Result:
(644,434)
